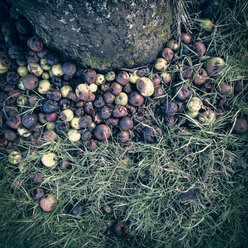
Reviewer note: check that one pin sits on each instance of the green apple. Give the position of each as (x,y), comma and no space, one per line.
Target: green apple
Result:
(57,70)
(35,68)
(50,125)
(21,100)
(22,131)
(67,115)
(206,24)
(15,157)
(93,87)
(195,104)
(145,86)
(161,64)
(75,123)
(100,79)
(20,84)
(121,99)
(133,77)
(44,86)
(45,75)
(44,65)
(65,90)
(73,135)
(22,70)
(214,66)
(49,159)
(193,114)
(50,73)
(4,62)
(208,117)
(110,76)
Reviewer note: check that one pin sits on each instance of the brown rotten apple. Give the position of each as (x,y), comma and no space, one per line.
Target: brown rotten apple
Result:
(186,38)
(122,78)
(241,126)
(225,89)
(168,54)
(30,82)
(172,44)
(182,92)
(200,77)
(200,49)
(126,124)
(150,134)
(14,121)
(208,117)
(102,132)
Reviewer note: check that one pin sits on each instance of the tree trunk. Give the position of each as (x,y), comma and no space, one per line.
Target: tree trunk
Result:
(101,34)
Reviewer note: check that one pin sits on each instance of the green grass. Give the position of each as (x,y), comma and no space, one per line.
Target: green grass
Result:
(142,183)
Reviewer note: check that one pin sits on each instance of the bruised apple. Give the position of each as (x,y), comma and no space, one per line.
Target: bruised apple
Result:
(48,203)
(145,86)
(214,66)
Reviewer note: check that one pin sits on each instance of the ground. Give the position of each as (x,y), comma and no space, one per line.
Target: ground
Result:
(184,191)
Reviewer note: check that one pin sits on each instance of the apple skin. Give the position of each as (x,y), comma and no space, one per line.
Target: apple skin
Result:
(110,76)
(161,64)
(133,77)
(121,99)
(225,89)
(195,104)
(48,203)
(65,90)
(83,92)
(166,77)
(44,86)
(186,38)
(67,115)
(241,126)
(173,45)
(200,49)
(49,159)
(51,117)
(145,86)
(192,114)
(201,77)
(15,157)
(206,24)
(74,135)
(208,117)
(167,54)
(182,92)
(57,70)
(214,66)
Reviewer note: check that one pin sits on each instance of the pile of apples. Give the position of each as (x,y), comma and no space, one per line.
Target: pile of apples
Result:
(43,97)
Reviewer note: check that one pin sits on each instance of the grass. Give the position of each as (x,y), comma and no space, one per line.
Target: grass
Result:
(143,183)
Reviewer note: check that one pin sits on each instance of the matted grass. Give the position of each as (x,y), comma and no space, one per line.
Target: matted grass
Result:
(143,184)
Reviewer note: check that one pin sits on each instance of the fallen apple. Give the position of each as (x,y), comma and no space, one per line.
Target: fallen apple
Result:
(48,203)
(49,159)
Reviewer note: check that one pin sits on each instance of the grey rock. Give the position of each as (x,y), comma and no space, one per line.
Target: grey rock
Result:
(101,34)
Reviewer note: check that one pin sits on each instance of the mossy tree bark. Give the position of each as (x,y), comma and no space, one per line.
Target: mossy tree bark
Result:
(101,34)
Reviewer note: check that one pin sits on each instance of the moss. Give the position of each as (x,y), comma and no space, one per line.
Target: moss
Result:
(97,62)
(164,32)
